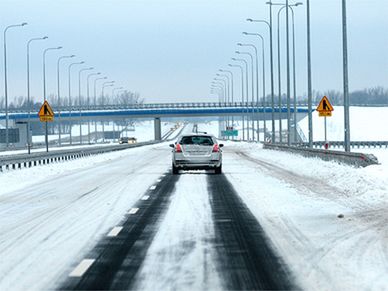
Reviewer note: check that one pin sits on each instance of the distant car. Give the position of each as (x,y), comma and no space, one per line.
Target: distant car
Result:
(196,151)
(127,140)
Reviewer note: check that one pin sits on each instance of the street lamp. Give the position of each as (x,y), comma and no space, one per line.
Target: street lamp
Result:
(88,99)
(257,86)
(95,101)
(226,86)
(231,82)
(288,66)
(70,102)
(79,100)
(269,24)
(6,80)
(232,89)
(104,85)
(263,68)
(309,81)
(44,86)
(345,78)
(28,90)
(221,88)
(247,101)
(242,91)
(59,96)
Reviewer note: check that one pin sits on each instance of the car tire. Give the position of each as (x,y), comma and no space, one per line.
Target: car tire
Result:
(175,170)
(218,170)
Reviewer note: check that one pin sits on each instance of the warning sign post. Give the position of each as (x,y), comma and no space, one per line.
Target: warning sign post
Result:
(46,113)
(325,109)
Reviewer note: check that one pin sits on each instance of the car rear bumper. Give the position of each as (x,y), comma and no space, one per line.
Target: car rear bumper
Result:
(184,164)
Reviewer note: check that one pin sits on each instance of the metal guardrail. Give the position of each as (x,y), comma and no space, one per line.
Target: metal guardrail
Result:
(34,159)
(353,144)
(355,159)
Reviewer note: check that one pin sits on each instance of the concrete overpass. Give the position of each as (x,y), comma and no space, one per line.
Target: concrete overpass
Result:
(157,112)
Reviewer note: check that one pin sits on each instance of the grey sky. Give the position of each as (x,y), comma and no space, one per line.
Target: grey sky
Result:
(169,50)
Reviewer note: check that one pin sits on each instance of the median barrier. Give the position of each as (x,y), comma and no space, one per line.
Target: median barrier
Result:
(33,159)
(355,159)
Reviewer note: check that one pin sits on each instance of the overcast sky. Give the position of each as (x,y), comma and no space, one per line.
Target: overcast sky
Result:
(170,50)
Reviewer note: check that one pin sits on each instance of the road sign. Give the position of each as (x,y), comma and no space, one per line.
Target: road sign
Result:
(325,108)
(229,132)
(46,113)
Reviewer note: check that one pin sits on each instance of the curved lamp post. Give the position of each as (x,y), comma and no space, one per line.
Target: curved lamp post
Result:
(70,101)
(80,101)
(59,98)
(44,86)
(269,24)
(28,90)
(6,79)
(88,98)
(246,86)
(263,81)
(104,85)
(242,92)
(253,83)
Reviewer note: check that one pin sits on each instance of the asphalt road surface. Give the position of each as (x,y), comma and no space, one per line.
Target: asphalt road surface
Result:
(242,256)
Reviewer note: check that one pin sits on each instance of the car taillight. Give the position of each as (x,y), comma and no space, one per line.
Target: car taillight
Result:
(178,148)
(216,148)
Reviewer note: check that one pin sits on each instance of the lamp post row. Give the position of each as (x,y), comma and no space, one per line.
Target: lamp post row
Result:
(29,103)
(269,24)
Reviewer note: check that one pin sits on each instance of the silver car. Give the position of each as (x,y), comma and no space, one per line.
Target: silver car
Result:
(196,151)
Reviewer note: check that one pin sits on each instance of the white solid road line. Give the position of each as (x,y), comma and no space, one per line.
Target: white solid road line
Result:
(133,210)
(152,187)
(81,268)
(145,197)
(115,231)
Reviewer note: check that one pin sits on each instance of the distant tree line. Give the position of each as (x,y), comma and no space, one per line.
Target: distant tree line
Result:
(369,96)
(123,98)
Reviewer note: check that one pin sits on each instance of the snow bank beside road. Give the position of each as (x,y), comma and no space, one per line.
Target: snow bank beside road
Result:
(297,200)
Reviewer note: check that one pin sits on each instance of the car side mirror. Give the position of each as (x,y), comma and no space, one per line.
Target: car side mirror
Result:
(221,145)
(171,145)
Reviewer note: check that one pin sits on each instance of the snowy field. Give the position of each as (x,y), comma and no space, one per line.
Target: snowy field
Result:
(366,124)
(327,221)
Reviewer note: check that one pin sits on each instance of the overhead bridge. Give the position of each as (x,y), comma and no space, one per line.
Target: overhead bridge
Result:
(157,111)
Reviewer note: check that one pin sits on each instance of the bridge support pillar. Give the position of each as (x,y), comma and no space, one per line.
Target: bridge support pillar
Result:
(157,129)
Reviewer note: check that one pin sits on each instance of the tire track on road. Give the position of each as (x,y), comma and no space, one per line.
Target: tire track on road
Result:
(118,258)
(246,258)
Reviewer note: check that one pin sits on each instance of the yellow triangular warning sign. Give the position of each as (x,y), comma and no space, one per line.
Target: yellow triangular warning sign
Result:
(325,108)
(46,113)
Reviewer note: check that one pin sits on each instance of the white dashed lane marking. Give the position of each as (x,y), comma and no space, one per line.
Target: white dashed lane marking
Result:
(152,187)
(133,210)
(81,268)
(115,231)
(145,197)
(159,180)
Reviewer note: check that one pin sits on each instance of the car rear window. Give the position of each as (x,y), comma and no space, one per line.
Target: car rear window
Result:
(199,140)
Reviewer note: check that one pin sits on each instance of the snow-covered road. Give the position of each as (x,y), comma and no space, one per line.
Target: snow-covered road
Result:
(48,225)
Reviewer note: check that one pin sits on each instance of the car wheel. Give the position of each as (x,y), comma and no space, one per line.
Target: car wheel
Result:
(218,170)
(175,170)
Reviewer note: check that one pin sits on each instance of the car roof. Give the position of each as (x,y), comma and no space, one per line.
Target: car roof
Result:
(198,134)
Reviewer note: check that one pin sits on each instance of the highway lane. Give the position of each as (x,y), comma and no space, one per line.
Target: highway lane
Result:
(193,232)
(129,224)
(48,225)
